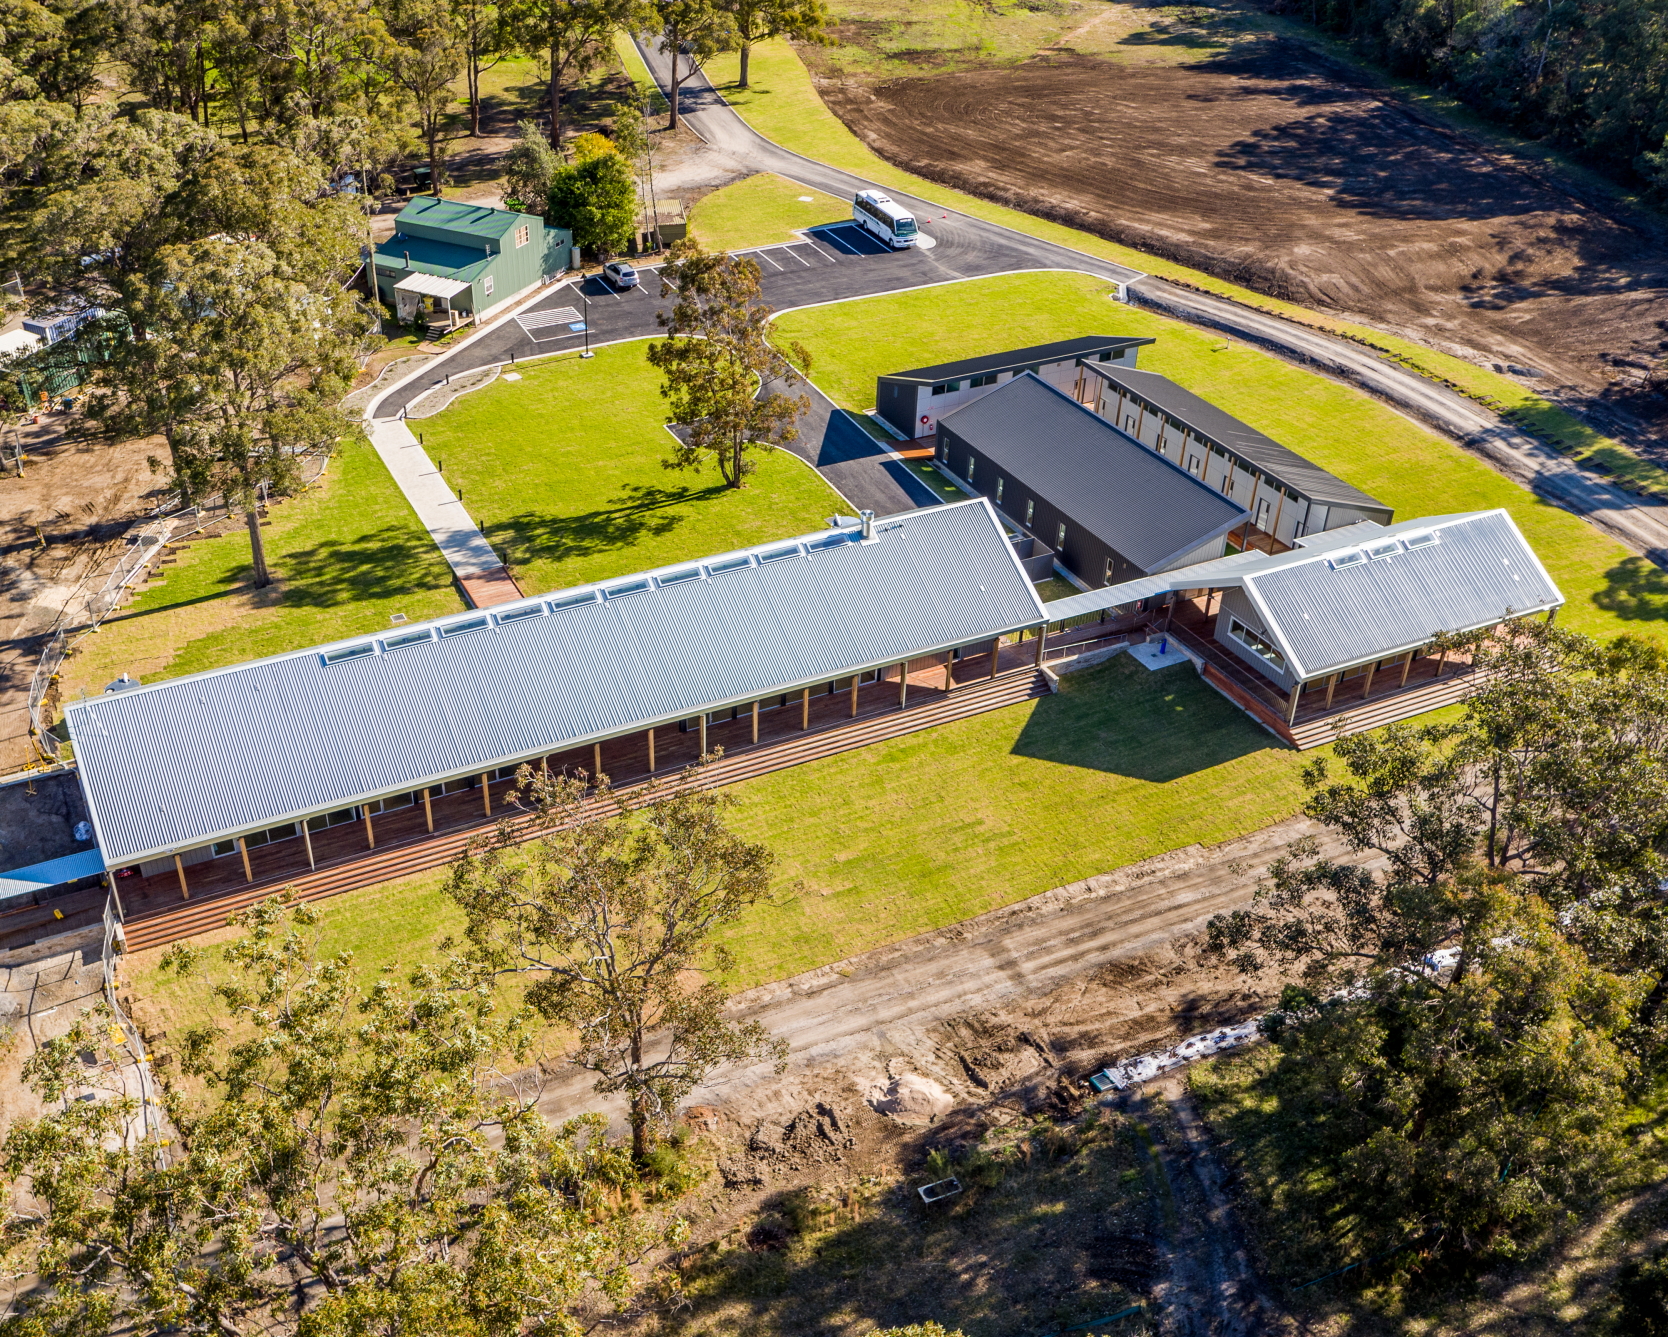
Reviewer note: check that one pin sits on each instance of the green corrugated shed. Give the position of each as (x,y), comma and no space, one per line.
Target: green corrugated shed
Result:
(497,252)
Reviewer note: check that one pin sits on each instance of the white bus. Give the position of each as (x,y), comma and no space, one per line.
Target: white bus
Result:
(874,212)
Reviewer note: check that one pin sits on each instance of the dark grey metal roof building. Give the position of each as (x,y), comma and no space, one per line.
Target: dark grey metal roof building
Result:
(1022,359)
(178,764)
(1288,495)
(914,402)
(1110,506)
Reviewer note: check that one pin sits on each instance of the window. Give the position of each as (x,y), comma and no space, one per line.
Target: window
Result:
(1111,566)
(486,285)
(729,564)
(1060,537)
(516,614)
(978,382)
(678,577)
(1104,357)
(1420,540)
(1030,511)
(947,388)
(999,483)
(324,820)
(1348,557)
(523,234)
(470,624)
(972,464)
(405,638)
(1193,465)
(626,587)
(1263,509)
(349,652)
(777,554)
(573,600)
(1255,643)
(1383,548)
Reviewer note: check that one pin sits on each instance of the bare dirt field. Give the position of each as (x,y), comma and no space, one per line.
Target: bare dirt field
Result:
(1268,164)
(61,527)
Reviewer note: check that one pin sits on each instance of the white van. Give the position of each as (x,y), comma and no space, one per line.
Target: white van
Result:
(877,215)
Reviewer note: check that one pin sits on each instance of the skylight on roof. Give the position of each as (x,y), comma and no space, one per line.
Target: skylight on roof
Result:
(839,540)
(729,564)
(407,638)
(518,614)
(348,652)
(573,600)
(1348,557)
(626,587)
(468,624)
(678,577)
(777,554)
(1383,548)
(1425,538)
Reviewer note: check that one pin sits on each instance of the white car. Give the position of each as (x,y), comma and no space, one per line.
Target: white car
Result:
(618,274)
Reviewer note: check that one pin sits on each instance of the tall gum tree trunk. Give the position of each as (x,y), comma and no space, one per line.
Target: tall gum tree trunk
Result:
(746,51)
(677,81)
(555,103)
(257,547)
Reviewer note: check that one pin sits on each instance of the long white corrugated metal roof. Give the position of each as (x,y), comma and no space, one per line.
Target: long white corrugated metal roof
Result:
(1368,591)
(179,763)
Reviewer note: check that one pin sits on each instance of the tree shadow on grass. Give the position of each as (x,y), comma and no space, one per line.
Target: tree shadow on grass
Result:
(641,511)
(1636,590)
(1121,719)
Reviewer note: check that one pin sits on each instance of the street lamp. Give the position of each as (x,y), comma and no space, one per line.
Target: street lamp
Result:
(587,301)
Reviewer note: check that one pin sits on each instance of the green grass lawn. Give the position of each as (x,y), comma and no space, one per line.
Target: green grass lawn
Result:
(783,105)
(1340,428)
(932,828)
(761,210)
(562,471)
(346,554)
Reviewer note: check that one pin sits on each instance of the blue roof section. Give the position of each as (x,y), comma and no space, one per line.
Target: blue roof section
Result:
(432,257)
(52,873)
(175,764)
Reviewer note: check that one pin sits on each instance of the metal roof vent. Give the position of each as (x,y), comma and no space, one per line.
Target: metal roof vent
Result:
(868,519)
(125,683)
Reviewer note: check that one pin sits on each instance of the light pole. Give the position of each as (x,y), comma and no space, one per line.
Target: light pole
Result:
(587,301)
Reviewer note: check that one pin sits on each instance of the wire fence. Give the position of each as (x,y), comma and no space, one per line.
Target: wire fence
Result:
(148,539)
(150,1109)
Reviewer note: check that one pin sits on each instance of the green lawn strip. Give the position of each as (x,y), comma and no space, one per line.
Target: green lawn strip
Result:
(347,554)
(1338,427)
(933,828)
(761,210)
(562,470)
(631,61)
(783,105)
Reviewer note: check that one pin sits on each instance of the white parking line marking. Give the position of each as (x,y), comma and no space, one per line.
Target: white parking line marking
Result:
(768,261)
(832,259)
(844,246)
(538,320)
(797,256)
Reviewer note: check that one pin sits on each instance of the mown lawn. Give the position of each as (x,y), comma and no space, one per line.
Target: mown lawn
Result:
(1340,428)
(562,471)
(346,554)
(761,210)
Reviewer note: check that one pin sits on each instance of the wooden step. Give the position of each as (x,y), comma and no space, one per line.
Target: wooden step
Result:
(1387,710)
(160,927)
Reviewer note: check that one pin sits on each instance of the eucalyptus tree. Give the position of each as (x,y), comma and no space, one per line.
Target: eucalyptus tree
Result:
(760,20)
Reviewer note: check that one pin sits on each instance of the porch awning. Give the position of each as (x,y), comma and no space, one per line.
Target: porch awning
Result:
(431,285)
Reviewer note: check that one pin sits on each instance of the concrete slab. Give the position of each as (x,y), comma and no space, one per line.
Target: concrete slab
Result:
(430,495)
(1151,657)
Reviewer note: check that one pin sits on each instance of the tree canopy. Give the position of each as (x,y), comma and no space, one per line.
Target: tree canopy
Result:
(344,1161)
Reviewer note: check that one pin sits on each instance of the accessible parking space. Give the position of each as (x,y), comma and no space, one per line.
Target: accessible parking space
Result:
(849,240)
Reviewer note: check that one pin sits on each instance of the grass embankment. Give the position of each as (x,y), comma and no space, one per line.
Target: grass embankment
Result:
(562,471)
(783,105)
(345,555)
(1338,427)
(761,210)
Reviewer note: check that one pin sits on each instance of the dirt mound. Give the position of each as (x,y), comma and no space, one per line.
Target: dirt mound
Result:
(911,1099)
(1271,167)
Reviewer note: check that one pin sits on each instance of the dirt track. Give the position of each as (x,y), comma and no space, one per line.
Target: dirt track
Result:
(1271,167)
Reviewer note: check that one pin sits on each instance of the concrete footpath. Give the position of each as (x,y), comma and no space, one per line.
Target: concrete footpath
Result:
(477,567)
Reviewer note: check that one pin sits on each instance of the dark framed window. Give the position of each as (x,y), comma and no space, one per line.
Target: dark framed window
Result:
(1030,511)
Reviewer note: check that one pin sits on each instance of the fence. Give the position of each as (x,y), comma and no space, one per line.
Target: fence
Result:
(150,1111)
(149,541)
